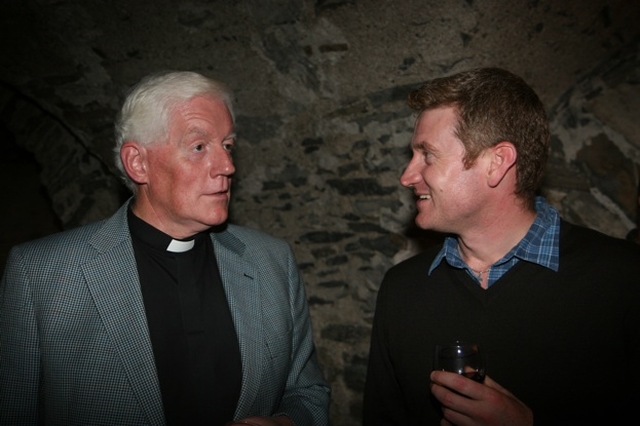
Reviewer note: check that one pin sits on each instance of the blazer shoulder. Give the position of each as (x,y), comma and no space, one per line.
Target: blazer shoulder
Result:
(252,233)
(59,241)
(253,238)
(79,243)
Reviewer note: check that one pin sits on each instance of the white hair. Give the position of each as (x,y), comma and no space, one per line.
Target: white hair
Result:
(144,116)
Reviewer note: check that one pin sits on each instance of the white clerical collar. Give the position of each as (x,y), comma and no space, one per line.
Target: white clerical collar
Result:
(176,246)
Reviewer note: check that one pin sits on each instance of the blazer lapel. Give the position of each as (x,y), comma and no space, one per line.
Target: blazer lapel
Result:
(112,278)
(241,284)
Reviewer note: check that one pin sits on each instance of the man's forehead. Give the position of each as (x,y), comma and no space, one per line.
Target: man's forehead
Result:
(197,130)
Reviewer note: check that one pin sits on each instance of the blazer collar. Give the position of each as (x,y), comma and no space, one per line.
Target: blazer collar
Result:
(112,278)
(241,281)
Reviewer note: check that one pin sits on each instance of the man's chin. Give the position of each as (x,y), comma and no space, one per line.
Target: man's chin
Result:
(427,225)
(217,220)
(422,223)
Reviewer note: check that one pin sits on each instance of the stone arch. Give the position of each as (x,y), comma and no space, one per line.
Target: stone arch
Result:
(80,186)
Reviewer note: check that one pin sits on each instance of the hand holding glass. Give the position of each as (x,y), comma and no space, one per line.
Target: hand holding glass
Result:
(462,358)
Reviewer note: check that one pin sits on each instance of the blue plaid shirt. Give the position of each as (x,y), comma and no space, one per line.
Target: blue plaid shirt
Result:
(540,245)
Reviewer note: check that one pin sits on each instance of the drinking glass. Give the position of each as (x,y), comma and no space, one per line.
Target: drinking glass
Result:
(462,358)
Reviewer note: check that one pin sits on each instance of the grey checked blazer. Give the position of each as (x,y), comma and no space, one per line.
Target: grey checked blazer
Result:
(74,343)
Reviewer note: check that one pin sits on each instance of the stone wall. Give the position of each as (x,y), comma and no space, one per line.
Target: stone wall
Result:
(322,122)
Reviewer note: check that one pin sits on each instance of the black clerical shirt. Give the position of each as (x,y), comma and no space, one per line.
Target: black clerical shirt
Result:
(194,341)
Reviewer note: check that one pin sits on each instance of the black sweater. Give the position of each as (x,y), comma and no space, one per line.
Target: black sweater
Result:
(565,343)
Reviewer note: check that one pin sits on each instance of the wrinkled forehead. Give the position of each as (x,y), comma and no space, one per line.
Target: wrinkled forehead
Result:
(202,107)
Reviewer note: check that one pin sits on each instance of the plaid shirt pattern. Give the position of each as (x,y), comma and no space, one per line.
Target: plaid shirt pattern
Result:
(540,246)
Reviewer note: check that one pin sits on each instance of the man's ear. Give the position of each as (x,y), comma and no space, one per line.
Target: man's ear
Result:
(133,157)
(503,158)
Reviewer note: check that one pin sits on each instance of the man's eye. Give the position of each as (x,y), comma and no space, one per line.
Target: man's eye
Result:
(198,147)
(228,147)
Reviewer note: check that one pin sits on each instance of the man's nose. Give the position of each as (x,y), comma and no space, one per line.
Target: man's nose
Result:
(409,175)
(222,164)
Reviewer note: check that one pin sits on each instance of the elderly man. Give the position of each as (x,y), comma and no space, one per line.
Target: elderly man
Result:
(163,313)
(554,307)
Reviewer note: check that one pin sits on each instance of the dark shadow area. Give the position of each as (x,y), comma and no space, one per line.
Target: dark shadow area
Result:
(26,212)
(424,239)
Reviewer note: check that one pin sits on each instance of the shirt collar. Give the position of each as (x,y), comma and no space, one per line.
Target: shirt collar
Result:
(540,245)
(158,240)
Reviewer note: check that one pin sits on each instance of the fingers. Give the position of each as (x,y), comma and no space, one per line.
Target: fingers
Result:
(458,397)
(459,384)
(465,402)
(456,405)
(495,385)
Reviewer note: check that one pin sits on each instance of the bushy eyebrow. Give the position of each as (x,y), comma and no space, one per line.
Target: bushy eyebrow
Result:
(199,132)
(421,146)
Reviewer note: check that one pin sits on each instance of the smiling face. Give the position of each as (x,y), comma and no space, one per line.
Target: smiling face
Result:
(449,196)
(184,183)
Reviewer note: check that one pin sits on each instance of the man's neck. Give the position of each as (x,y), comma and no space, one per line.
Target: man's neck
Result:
(498,231)
(145,210)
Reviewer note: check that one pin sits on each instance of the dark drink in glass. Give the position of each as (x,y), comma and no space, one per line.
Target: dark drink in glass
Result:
(462,358)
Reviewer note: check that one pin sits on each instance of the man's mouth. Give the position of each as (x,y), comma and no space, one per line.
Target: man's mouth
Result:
(424,197)
(219,193)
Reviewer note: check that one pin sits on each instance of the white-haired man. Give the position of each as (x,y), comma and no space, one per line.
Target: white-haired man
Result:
(163,313)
